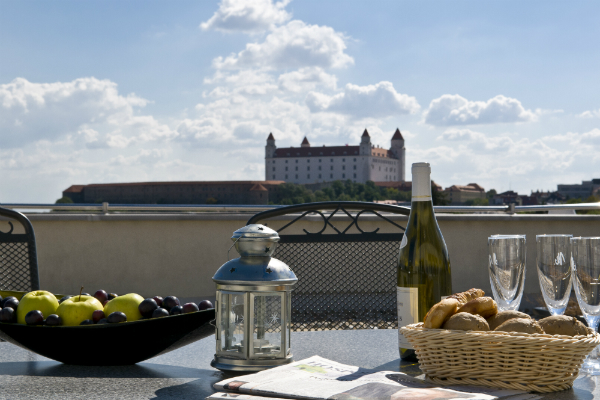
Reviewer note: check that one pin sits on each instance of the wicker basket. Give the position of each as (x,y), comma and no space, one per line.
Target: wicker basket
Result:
(531,362)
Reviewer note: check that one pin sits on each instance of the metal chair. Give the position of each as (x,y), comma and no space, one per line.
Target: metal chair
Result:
(345,280)
(18,256)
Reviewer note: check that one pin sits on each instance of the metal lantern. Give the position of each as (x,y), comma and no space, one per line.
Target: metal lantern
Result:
(253,304)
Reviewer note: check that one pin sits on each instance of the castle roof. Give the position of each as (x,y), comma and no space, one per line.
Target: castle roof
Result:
(258,187)
(397,135)
(365,133)
(271,137)
(305,141)
(324,151)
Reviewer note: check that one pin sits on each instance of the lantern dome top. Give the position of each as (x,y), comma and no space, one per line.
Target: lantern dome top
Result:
(255,231)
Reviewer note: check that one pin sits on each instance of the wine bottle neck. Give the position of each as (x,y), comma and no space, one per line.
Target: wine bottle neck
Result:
(421,182)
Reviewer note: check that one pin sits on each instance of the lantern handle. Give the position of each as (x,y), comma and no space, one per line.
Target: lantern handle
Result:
(231,248)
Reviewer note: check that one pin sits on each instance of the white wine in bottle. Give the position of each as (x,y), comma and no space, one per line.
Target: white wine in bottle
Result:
(423,266)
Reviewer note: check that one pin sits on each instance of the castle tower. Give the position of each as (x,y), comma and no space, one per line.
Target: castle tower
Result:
(305,143)
(270,147)
(365,144)
(399,151)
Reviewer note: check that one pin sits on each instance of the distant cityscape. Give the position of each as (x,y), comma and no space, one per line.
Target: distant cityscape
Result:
(301,174)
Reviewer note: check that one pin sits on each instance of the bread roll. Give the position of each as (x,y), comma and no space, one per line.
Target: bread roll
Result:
(523,325)
(484,306)
(464,297)
(496,320)
(440,312)
(563,325)
(463,321)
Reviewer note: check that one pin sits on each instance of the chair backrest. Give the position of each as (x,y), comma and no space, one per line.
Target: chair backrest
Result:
(345,280)
(18,256)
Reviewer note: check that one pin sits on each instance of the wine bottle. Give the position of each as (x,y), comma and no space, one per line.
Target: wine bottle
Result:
(423,265)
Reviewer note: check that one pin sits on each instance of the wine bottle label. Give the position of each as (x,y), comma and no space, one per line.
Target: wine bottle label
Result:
(407,301)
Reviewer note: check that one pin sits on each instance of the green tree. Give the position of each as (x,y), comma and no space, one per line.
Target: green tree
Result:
(64,200)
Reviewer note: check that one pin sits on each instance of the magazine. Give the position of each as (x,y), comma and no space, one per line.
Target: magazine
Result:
(317,378)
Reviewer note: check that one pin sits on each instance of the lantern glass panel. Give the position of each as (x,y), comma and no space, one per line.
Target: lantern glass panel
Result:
(267,325)
(232,324)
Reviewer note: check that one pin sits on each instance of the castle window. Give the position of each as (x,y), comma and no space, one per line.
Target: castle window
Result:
(297,168)
(273,169)
(309,154)
(308,176)
(380,167)
(308,161)
(333,153)
(273,176)
(286,176)
(356,152)
(343,175)
(320,153)
(331,160)
(296,176)
(331,168)
(331,175)
(286,168)
(288,154)
(355,160)
(355,167)
(297,154)
(308,168)
(343,167)
(319,160)
(354,176)
(286,160)
(343,159)
(319,167)
(274,161)
(296,161)
(319,176)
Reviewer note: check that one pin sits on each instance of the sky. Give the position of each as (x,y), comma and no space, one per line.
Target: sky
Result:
(500,93)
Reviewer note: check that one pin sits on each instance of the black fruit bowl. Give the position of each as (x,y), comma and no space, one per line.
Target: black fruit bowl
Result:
(111,344)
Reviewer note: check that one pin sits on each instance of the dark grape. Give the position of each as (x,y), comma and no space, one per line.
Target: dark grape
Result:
(8,315)
(87,322)
(147,307)
(160,312)
(53,320)
(176,310)
(34,317)
(112,296)
(170,302)
(101,295)
(11,302)
(6,299)
(158,300)
(97,315)
(190,307)
(102,321)
(116,317)
(205,305)
(64,298)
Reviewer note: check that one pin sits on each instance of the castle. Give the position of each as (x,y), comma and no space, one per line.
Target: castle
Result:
(362,163)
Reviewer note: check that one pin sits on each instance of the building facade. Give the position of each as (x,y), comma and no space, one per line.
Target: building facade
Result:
(579,191)
(208,192)
(362,163)
(460,194)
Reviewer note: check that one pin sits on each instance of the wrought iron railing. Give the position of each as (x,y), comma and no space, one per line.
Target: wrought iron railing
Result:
(236,208)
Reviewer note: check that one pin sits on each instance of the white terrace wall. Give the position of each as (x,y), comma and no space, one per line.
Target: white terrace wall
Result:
(177,254)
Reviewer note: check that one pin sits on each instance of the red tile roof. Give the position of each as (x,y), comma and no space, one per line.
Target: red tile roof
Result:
(74,189)
(271,137)
(305,141)
(268,183)
(397,135)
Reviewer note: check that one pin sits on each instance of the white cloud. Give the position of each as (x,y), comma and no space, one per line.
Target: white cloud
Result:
(590,114)
(372,101)
(306,79)
(294,45)
(460,156)
(456,110)
(249,16)
(88,108)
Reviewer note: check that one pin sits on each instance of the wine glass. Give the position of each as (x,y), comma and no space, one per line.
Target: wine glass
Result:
(554,270)
(507,256)
(585,266)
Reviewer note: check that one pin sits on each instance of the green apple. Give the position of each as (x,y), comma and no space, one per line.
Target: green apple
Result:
(128,304)
(37,300)
(77,309)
